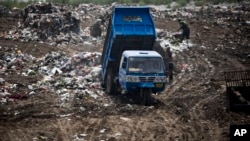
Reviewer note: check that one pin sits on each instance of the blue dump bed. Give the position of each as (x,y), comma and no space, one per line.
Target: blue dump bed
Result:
(130,21)
(130,28)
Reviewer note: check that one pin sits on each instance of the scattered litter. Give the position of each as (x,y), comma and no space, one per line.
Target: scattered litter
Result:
(102,131)
(125,119)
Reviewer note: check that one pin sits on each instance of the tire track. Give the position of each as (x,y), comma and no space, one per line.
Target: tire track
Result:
(188,91)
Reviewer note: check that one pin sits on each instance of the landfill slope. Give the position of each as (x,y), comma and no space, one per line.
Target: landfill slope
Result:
(50,87)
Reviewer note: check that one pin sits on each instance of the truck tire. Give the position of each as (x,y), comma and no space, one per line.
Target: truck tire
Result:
(146,98)
(110,85)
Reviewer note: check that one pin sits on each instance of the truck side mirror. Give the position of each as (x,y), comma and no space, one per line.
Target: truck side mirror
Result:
(124,65)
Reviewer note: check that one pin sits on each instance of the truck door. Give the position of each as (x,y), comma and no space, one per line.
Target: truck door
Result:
(122,71)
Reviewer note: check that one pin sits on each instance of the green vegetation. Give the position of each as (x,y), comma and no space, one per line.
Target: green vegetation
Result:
(17,3)
(14,3)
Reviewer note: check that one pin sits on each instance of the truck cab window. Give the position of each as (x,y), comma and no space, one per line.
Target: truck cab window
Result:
(124,63)
(145,65)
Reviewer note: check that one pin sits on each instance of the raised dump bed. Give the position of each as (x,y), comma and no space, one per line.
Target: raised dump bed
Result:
(238,90)
(130,28)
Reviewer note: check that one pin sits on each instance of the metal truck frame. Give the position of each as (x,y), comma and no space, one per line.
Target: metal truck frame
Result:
(129,42)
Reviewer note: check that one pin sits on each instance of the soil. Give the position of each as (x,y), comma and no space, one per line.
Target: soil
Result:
(192,107)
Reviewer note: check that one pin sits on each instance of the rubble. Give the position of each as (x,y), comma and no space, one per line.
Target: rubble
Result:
(95,29)
(64,89)
(60,25)
(65,75)
(49,23)
(80,73)
(3,10)
(2,81)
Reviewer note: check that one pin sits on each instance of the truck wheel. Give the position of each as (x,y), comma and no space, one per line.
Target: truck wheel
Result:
(110,85)
(146,98)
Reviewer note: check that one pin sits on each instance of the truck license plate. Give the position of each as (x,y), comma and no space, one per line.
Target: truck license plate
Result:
(159,85)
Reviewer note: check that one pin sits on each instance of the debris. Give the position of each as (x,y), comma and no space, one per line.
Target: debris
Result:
(102,131)
(80,73)
(18,96)
(125,119)
(30,72)
(30,87)
(95,29)
(117,134)
(56,71)
(2,81)
(32,93)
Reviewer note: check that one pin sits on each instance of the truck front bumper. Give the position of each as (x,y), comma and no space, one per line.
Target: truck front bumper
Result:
(156,87)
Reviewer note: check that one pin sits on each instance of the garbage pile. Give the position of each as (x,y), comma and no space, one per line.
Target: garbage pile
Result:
(48,23)
(61,24)
(61,74)
(222,15)
(3,11)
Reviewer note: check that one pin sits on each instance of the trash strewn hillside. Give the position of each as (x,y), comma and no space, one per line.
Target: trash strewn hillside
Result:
(50,67)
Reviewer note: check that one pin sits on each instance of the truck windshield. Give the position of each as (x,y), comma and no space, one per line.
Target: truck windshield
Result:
(145,65)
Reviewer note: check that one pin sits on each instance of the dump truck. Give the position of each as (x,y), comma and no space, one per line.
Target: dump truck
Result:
(129,63)
(238,90)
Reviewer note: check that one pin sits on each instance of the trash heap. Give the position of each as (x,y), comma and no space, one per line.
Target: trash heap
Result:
(70,76)
(3,11)
(60,24)
(47,22)
(224,15)
(98,15)
(60,74)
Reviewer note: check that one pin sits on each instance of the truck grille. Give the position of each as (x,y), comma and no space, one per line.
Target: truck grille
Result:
(146,79)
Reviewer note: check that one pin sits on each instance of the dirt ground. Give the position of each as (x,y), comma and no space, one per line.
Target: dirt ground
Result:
(192,108)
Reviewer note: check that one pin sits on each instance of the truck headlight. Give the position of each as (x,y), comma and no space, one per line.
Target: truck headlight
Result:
(160,79)
(132,79)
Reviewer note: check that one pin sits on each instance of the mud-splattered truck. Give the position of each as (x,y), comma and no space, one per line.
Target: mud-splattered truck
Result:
(129,64)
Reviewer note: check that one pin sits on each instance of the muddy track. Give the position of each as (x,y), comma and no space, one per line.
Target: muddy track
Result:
(189,92)
(184,111)
(179,113)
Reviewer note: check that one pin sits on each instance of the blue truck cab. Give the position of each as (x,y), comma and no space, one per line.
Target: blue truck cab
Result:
(129,63)
(142,69)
